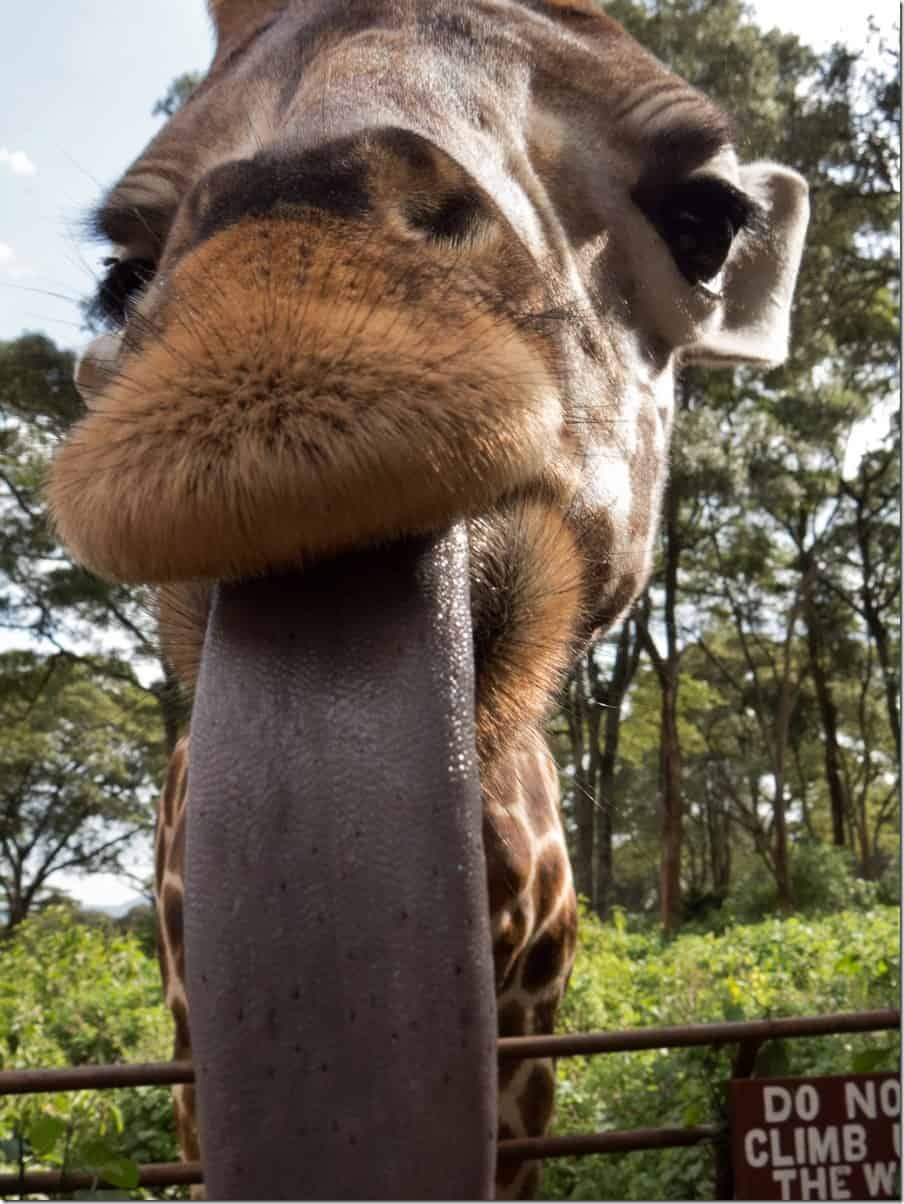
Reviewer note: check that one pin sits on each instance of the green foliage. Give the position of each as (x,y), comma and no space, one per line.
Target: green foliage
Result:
(176,94)
(823,879)
(79,759)
(625,979)
(72,994)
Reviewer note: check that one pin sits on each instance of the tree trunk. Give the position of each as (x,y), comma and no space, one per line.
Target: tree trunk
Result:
(667,672)
(583,799)
(719,839)
(672,803)
(829,715)
(591,785)
(875,623)
(626,660)
(672,809)
(782,729)
(879,633)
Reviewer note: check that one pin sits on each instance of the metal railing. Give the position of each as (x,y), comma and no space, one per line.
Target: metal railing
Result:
(748,1035)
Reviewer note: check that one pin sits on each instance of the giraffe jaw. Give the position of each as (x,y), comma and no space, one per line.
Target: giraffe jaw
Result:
(374,1024)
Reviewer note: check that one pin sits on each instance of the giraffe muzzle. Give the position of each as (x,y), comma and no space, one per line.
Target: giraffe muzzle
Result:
(302,381)
(338,951)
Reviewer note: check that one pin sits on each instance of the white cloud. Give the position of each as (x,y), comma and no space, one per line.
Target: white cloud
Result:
(7,254)
(17,162)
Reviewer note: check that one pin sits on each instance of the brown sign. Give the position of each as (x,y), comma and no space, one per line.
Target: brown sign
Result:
(835,1137)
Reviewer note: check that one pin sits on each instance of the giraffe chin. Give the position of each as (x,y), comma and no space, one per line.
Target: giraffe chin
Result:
(367,1034)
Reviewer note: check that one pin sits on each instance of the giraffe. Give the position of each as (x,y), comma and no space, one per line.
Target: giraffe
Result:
(399,271)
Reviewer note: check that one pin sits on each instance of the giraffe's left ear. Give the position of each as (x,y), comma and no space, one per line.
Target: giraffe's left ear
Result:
(233,18)
(758,286)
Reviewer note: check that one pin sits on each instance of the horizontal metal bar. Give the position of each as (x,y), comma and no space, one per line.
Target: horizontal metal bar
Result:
(581,1044)
(623,1141)
(78,1078)
(137,1074)
(152,1174)
(168,1174)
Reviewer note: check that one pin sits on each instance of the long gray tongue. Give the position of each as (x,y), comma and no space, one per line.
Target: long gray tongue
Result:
(338,960)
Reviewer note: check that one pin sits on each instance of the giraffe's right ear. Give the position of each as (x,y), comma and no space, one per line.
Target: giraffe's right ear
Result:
(234,18)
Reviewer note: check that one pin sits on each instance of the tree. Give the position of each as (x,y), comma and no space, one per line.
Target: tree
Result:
(176,94)
(588,739)
(836,121)
(79,758)
(44,597)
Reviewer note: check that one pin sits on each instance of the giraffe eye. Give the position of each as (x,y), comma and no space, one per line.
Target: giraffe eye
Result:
(699,220)
(123,281)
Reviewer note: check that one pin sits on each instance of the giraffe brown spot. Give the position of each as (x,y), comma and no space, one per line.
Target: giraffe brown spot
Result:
(511,1019)
(507,1172)
(536,1101)
(545,1015)
(182,1041)
(542,963)
(172,916)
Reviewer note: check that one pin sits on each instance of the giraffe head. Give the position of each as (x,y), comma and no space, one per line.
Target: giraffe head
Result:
(398,265)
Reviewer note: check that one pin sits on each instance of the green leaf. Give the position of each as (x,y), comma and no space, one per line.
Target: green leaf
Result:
(869,1060)
(732,1010)
(848,965)
(695,1113)
(10,1149)
(772,1060)
(44,1132)
(121,1172)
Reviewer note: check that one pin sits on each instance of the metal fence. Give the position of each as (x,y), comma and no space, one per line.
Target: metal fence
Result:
(748,1036)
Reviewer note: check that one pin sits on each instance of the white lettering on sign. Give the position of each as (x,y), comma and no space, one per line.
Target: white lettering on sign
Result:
(862,1098)
(755,1157)
(808,1146)
(880,1176)
(890,1097)
(785,1178)
(853,1142)
(776,1104)
(837,1141)
(823,1145)
(806,1102)
(838,1189)
(775,1149)
(815,1183)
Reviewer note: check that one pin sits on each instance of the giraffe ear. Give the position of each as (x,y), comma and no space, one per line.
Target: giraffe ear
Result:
(758,287)
(233,18)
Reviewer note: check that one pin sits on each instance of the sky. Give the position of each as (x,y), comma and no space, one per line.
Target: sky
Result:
(79,81)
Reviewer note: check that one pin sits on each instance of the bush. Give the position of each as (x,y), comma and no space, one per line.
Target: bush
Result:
(794,967)
(74,993)
(823,879)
